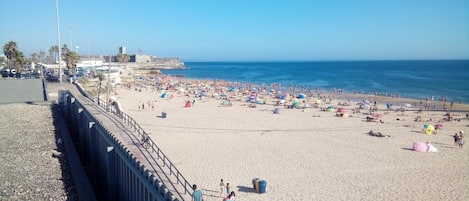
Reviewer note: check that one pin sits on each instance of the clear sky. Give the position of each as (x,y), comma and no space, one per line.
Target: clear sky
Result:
(250,30)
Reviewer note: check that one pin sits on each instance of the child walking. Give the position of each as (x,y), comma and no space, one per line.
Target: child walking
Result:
(222,186)
(228,191)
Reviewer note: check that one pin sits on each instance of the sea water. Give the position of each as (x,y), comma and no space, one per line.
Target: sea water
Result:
(409,79)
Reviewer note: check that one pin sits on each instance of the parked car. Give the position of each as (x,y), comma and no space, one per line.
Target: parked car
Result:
(52,78)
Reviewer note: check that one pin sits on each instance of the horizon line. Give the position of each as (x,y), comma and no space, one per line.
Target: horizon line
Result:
(323,60)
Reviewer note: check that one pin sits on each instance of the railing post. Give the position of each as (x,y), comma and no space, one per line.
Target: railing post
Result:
(111,173)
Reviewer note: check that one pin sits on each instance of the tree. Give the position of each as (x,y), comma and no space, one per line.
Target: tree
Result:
(19,61)
(2,60)
(42,55)
(123,58)
(14,55)
(54,53)
(70,58)
(9,50)
(34,57)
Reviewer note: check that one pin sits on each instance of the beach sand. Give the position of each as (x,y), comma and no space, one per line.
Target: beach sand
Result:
(305,154)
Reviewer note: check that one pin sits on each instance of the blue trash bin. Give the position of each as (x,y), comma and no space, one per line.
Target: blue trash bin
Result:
(262,186)
(163,114)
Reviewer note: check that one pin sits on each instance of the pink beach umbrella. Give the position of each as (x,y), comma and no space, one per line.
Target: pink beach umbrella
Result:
(420,146)
(438,126)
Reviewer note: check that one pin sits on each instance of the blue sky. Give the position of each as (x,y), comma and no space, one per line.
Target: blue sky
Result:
(250,30)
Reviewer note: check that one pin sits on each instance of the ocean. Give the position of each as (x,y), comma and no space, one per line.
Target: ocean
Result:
(409,79)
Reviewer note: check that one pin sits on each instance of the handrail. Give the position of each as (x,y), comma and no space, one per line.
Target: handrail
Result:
(132,123)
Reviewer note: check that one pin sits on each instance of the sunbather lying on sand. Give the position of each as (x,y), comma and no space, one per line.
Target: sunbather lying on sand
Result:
(377,134)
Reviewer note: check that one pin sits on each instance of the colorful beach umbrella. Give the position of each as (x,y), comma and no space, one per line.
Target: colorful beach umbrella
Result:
(438,126)
(429,130)
(420,146)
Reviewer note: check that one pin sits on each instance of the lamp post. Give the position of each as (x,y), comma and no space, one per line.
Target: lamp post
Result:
(71,36)
(108,80)
(89,52)
(58,40)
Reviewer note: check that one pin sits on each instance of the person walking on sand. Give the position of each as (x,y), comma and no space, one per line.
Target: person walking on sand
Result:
(228,191)
(461,139)
(222,186)
(456,139)
(197,195)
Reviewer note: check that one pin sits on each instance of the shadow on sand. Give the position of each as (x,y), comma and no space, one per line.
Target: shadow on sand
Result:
(246,189)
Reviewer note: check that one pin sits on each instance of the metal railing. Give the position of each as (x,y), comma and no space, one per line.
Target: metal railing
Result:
(180,179)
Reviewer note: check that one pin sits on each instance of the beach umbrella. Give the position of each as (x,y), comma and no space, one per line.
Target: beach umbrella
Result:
(429,129)
(296,104)
(420,146)
(438,126)
(301,96)
(341,110)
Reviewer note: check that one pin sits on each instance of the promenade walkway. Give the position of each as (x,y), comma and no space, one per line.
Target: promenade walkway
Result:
(152,158)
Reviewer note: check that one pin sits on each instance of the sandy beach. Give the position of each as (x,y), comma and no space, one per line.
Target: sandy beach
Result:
(304,154)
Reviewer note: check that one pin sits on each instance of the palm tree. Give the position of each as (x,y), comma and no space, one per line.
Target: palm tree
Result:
(14,55)
(54,53)
(70,58)
(9,50)
(19,61)
(34,57)
(123,58)
(42,55)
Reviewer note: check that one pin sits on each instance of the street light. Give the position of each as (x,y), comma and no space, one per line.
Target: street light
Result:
(58,40)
